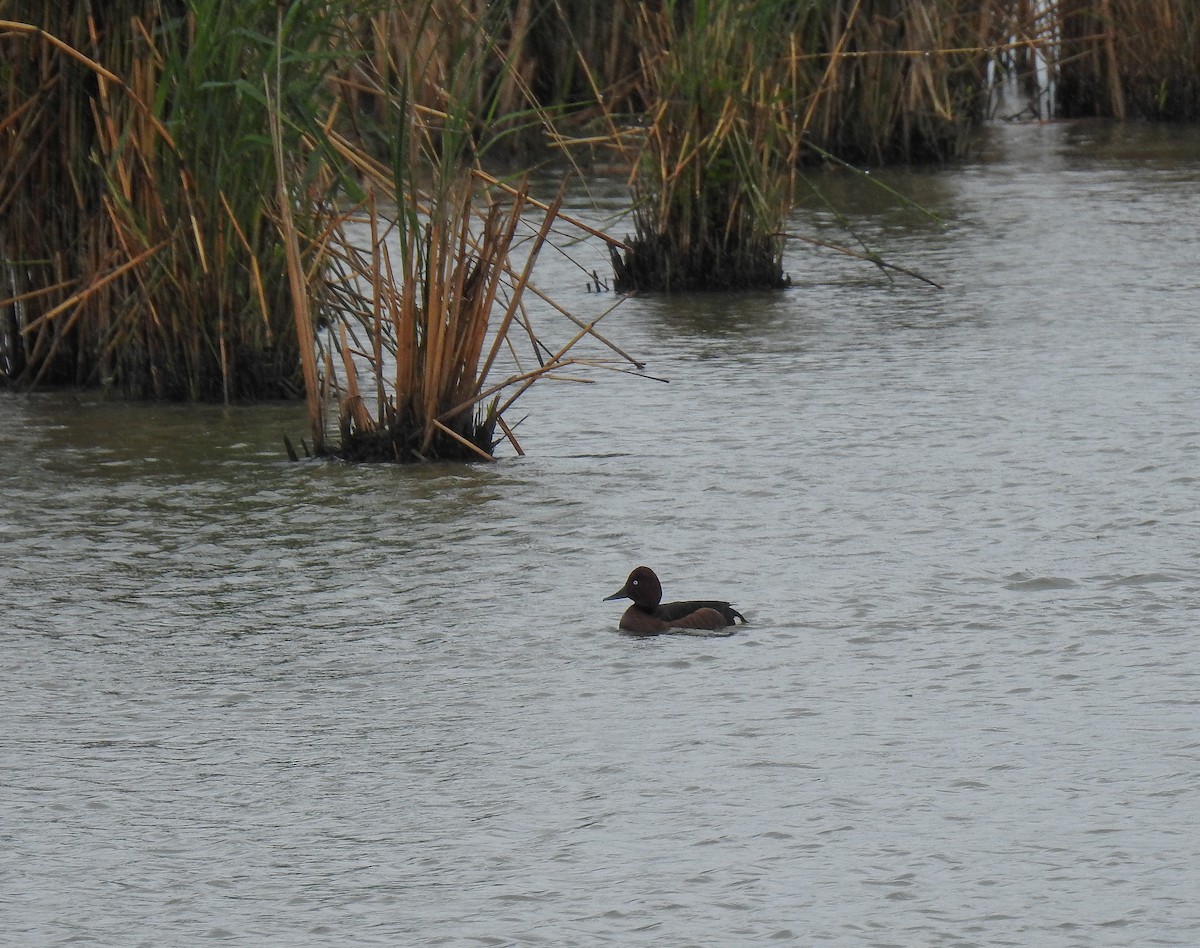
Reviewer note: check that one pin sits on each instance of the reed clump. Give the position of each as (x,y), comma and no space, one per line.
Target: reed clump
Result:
(404,359)
(711,182)
(420,287)
(740,94)
(138,248)
(420,301)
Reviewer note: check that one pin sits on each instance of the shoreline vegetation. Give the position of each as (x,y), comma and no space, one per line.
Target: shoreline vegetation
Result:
(214,201)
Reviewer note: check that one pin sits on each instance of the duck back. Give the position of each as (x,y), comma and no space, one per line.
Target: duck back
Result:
(674,611)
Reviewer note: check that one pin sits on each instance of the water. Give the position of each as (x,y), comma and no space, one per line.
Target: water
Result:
(252,702)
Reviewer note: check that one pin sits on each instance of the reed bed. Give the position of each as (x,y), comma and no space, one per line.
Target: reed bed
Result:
(145,248)
(744,92)
(140,253)
(1129,59)
(879,81)
(534,65)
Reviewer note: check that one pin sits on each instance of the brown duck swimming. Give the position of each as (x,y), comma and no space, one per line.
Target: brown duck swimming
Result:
(649,615)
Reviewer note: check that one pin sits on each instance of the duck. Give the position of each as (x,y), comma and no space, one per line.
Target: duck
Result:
(649,615)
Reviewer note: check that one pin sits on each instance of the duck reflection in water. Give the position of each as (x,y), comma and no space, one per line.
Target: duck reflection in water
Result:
(649,615)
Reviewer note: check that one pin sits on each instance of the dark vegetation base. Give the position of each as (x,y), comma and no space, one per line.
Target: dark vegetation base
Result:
(248,375)
(402,445)
(657,267)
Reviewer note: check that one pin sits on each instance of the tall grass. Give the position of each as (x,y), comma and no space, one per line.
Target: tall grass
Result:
(142,240)
(422,284)
(138,250)
(711,182)
(404,358)
(742,92)
(1129,59)
(536,63)
(881,81)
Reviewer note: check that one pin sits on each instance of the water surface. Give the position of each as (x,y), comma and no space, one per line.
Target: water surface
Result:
(254,702)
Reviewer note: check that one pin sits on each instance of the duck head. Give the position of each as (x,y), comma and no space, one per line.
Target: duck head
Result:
(642,587)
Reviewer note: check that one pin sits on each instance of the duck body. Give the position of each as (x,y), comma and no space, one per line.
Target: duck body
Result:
(649,615)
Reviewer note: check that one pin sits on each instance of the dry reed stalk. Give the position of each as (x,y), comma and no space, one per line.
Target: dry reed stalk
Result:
(1129,58)
(380,263)
(508,433)
(297,284)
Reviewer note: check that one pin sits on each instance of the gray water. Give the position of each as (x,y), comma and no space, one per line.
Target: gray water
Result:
(261,703)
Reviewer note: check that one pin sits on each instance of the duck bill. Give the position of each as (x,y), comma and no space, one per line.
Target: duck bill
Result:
(621,593)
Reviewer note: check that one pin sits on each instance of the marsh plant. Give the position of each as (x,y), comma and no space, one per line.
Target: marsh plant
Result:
(1128,58)
(421,361)
(712,176)
(420,289)
(140,252)
(742,93)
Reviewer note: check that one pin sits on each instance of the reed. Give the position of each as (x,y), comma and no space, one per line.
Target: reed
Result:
(152,242)
(419,286)
(137,246)
(485,43)
(712,180)
(1129,59)
(742,93)
(882,81)
(423,307)
(402,357)
(541,63)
